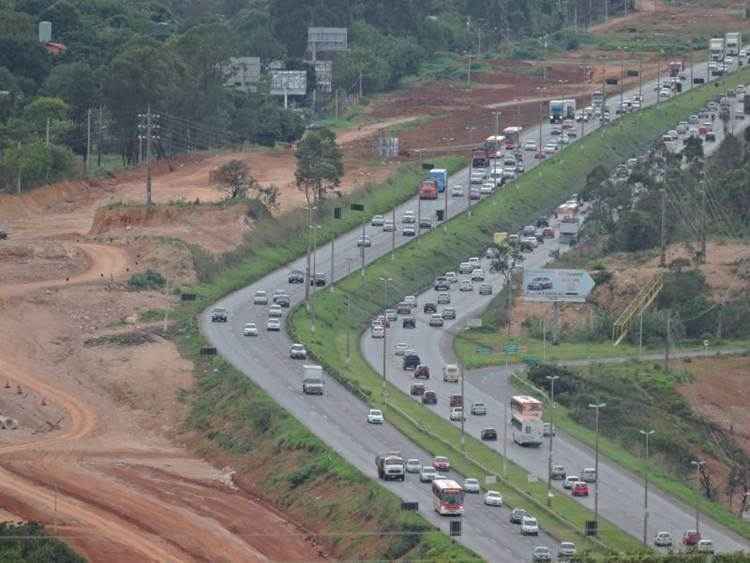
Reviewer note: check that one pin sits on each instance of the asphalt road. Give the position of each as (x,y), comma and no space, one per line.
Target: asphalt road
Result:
(337,416)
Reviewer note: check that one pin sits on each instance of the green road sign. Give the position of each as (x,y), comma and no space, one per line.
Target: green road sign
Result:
(511,348)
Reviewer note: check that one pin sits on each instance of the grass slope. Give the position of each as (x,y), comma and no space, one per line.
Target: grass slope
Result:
(417,263)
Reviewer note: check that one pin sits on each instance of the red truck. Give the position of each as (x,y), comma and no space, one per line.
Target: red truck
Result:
(675,68)
(428,189)
(480,158)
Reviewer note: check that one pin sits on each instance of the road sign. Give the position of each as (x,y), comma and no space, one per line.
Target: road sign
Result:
(289,82)
(327,38)
(455,528)
(511,348)
(427,166)
(572,286)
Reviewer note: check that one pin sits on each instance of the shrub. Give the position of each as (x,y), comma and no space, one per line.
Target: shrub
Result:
(147,280)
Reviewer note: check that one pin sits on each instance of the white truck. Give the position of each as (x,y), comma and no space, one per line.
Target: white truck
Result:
(733,43)
(390,466)
(312,382)
(716,47)
(559,110)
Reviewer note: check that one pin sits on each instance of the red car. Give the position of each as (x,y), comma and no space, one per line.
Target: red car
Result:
(580,489)
(691,537)
(548,233)
(441,463)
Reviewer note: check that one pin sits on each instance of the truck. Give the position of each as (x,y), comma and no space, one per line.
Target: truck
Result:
(512,137)
(428,189)
(569,229)
(560,110)
(716,47)
(440,175)
(480,158)
(597,99)
(733,43)
(675,68)
(390,466)
(312,381)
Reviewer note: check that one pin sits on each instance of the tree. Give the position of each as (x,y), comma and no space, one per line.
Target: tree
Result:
(505,259)
(319,164)
(234,179)
(75,83)
(693,150)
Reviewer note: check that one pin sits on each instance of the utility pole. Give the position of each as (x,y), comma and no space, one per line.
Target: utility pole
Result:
(315,229)
(698,465)
(100,135)
(362,247)
(147,123)
(640,335)
(703,222)
(505,438)
(645,487)
(385,337)
(360,86)
(308,277)
(667,341)
(348,315)
(541,124)
(463,409)
(606,11)
(663,229)
(333,249)
(468,73)
(47,134)
(622,77)
(640,79)
(551,379)
(88,141)
(597,407)
(497,123)
(393,234)
(20,169)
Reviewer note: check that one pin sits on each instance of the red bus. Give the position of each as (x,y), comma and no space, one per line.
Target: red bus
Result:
(447,497)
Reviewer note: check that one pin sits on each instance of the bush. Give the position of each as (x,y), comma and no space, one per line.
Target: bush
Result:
(147,280)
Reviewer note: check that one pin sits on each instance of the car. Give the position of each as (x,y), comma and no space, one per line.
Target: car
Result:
(297,352)
(391,315)
(557,472)
(417,389)
(273,325)
(441,463)
(477,274)
(663,539)
(691,537)
(425,223)
(485,289)
(408,217)
(318,280)
(705,546)
(260,297)
(580,489)
(282,301)
(377,221)
(429,398)
(429,307)
(509,174)
(487,189)
(556,130)
(400,348)
(466,285)
(388,226)
(449,313)
(588,474)
(296,276)
(413,465)
(569,481)
(478,409)
(442,284)
(548,232)
(452,277)
(219,315)
(530,146)
(443,298)
(517,515)
(427,474)
(541,553)
(550,148)
(410,362)
(548,430)
(567,550)
(275,311)
(488,434)
(457,414)
(457,191)
(409,322)
(465,268)
(375,416)
(471,485)
(364,241)
(520,167)
(474,194)
(422,372)
(250,329)
(493,498)
(528,230)
(408,231)
(539,284)
(529,526)
(436,320)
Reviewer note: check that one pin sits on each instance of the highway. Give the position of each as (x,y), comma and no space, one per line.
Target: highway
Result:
(338,416)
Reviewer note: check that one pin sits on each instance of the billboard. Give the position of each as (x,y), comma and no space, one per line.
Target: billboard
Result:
(327,39)
(324,75)
(288,82)
(572,286)
(242,73)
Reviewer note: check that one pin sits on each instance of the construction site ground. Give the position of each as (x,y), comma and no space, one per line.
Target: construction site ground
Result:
(99,454)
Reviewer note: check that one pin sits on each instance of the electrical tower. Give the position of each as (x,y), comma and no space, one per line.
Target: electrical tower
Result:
(148,128)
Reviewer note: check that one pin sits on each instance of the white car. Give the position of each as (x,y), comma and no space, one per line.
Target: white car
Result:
(408,217)
(466,268)
(477,274)
(410,300)
(530,241)
(452,277)
(570,480)
(377,331)
(377,221)
(275,311)
(388,226)
(471,485)
(273,324)
(375,416)
(705,546)
(457,191)
(466,285)
(493,498)
(260,297)
(475,261)
(529,526)
(250,329)
(401,348)
(436,320)
(487,189)
(297,352)
(550,148)
(457,414)
(408,231)
(413,466)
(663,539)
(427,474)
(530,146)
(364,241)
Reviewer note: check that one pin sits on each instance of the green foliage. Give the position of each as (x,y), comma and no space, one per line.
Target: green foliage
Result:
(147,280)
(35,163)
(320,164)
(29,543)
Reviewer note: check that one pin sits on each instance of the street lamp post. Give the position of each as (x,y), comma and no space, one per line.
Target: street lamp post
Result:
(315,229)
(646,433)
(385,281)
(551,379)
(597,407)
(698,464)
(310,208)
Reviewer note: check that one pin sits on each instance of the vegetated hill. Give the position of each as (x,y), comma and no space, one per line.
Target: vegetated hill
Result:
(29,543)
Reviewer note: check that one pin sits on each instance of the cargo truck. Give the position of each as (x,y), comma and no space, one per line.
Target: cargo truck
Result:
(428,189)
(312,382)
(597,99)
(675,68)
(716,47)
(512,137)
(390,466)
(560,110)
(440,175)
(569,229)
(733,43)
(480,158)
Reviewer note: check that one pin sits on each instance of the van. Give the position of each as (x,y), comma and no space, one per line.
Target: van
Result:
(450,373)
(588,475)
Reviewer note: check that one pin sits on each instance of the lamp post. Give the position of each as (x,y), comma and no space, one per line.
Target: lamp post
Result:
(385,281)
(597,407)
(646,434)
(315,229)
(551,379)
(698,464)
(310,208)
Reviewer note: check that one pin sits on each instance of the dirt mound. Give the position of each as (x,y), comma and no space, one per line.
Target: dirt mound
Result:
(39,260)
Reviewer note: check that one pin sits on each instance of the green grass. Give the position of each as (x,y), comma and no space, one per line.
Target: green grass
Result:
(417,263)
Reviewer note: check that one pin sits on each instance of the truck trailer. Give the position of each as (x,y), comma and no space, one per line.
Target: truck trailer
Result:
(440,175)
(560,110)
(716,48)
(733,43)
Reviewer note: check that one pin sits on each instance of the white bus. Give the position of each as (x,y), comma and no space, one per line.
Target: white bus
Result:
(526,420)
(447,497)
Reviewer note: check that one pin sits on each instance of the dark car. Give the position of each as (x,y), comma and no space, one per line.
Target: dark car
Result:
(449,313)
(411,361)
(417,390)
(442,284)
(517,515)
(422,372)
(429,308)
(282,300)
(318,280)
(409,322)
(542,222)
(488,434)
(296,276)
(403,309)
(539,284)
(429,398)
(219,315)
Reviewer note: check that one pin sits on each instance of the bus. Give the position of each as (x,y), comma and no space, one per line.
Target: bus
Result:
(447,497)
(526,420)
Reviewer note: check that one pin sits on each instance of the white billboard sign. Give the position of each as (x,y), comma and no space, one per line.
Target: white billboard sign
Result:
(327,38)
(288,82)
(572,286)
